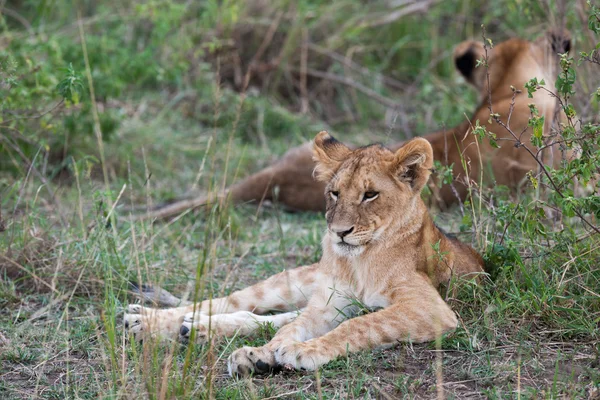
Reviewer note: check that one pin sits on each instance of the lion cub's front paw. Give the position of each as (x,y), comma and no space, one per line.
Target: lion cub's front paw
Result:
(301,356)
(193,321)
(252,360)
(144,322)
(135,323)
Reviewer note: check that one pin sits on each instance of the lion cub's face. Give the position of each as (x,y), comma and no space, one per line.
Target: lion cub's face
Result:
(371,191)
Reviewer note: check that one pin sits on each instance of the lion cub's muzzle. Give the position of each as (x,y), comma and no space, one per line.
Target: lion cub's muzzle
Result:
(348,240)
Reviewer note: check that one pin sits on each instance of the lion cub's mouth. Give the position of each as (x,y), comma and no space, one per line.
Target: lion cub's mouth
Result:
(346,249)
(346,245)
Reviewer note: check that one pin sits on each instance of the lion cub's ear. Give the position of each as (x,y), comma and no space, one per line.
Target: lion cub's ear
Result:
(466,55)
(413,163)
(329,154)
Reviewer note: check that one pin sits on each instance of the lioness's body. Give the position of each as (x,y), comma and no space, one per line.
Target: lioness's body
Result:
(289,181)
(511,63)
(381,250)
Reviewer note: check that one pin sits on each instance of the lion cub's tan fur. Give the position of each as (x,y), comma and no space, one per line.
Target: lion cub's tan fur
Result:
(511,63)
(381,250)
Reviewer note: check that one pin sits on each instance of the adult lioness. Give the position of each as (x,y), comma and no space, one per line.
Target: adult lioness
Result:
(378,251)
(511,63)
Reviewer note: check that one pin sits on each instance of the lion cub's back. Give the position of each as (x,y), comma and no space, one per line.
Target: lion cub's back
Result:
(467,261)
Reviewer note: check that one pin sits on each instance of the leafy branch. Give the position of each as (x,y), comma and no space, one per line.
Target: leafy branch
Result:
(564,84)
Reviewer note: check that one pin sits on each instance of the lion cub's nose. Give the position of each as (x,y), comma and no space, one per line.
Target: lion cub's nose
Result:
(342,231)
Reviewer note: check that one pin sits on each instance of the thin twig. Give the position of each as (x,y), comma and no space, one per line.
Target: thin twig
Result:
(391,82)
(392,16)
(38,116)
(12,13)
(351,83)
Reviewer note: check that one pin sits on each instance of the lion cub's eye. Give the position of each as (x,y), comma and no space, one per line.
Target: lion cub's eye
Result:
(370,195)
(334,194)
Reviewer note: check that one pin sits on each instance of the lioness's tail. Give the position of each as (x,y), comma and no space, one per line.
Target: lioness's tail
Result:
(255,188)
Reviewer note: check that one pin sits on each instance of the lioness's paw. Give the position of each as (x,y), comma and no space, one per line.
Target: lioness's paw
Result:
(252,360)
(192,321)
(302,356)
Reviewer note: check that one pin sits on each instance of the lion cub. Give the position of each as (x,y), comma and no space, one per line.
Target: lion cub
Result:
(378,252)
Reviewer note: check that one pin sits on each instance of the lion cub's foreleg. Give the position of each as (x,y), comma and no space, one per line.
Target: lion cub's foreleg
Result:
(223,325)
(327,308)
(417,313)
(286,291)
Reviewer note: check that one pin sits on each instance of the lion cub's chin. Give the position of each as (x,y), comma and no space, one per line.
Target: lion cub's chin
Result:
(344,249)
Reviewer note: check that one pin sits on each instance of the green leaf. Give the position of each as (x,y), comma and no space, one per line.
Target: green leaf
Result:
(71,87)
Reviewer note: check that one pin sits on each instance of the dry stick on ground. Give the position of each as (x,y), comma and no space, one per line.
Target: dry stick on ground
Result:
(517,139)
(25,270)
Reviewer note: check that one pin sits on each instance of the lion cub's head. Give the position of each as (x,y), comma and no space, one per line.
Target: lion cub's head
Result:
(371,192)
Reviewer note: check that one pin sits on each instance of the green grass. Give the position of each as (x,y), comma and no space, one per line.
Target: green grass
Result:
(534,327)
(530,332)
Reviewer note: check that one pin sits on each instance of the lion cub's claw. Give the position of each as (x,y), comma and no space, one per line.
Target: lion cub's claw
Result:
(135,308)
(133,321)
(133,324)
(288,368)
(191,322)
